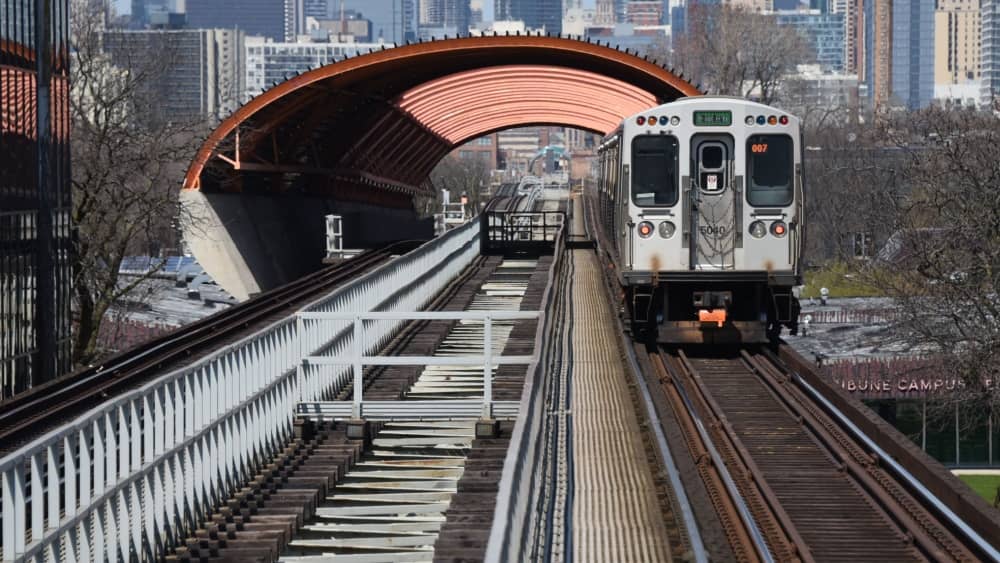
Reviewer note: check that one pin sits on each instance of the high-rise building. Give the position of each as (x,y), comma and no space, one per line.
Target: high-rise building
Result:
(605,13)
(753,5)
(268,62)
(898,52)
(645,12)
(824,32)
(203,68)
(444,17)
(252,17)
(320,9)
(536,14)
(853,32)
(957,32)
(35,244)
(142,9)
(990,58)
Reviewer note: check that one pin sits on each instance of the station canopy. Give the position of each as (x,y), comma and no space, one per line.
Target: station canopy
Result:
(373,127)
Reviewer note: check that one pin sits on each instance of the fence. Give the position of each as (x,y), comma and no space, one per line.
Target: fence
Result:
(855,316)
(518,485)
(351,368)
(526,232)
(132,476)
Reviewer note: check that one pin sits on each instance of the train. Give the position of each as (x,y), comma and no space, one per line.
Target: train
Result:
(698,209)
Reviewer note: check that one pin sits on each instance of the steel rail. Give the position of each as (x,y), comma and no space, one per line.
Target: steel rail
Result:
(985,548)
(756,537)
(30,413)
(666,456)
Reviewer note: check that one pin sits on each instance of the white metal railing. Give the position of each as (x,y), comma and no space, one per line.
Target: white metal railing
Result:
(510,538)
(351,366)
(132,476)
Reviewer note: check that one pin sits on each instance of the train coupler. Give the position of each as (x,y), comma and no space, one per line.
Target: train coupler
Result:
(713,306)
(717,316)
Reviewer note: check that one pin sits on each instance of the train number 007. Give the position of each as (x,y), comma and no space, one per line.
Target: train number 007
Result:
(758,148)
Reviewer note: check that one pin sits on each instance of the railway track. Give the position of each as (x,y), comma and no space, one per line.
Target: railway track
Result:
(32,413)
(786,478)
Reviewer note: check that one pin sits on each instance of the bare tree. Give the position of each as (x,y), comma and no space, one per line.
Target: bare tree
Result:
(127,162)
(470,176)
(930,181)
(734,51)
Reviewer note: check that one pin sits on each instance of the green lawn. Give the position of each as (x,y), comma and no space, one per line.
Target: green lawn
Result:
(984,485)
(838,279)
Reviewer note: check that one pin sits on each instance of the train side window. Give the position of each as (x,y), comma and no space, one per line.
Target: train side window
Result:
(654,170)
(770,162)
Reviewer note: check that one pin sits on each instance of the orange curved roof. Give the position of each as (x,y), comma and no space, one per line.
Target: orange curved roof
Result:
(384,119)
(467,104)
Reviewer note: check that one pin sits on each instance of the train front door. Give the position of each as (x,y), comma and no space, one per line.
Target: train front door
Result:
(713,203)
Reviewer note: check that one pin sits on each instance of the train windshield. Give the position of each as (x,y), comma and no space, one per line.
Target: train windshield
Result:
(654,170)
(770,161)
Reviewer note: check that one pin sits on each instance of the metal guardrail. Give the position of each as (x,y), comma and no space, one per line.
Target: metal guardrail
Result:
(516,495)
(132,476)
(352,366)
(528,232)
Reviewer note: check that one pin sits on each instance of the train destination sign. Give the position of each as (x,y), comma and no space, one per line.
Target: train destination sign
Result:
(713,118)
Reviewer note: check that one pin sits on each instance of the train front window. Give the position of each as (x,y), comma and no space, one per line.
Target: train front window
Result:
(654,170)
(770,162)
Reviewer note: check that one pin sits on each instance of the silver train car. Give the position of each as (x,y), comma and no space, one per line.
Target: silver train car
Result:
(699,210)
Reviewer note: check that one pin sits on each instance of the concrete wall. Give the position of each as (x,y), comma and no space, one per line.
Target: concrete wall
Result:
(253,243)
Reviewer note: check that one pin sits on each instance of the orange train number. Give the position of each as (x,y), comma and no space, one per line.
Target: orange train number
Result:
(758,148)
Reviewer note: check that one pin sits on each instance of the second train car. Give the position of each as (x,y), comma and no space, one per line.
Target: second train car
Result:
(699,206)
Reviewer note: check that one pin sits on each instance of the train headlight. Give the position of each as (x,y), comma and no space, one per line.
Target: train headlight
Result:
(645,229)
(757,229)
(667,229)
(779,228)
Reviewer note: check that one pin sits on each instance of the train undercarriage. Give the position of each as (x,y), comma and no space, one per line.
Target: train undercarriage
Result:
(702,308)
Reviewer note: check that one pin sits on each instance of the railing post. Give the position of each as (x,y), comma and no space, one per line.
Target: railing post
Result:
(487,427)
(356,353)
(13,511)
(487,367)
(300,366)
(357,428)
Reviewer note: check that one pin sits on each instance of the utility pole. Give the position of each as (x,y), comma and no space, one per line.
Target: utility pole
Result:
(45,307)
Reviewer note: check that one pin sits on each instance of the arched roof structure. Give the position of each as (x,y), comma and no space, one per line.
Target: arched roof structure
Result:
(374,126)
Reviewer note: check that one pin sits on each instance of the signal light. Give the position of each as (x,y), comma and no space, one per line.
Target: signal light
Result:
(761,120)
(675,120)
(645,229)
(750,120)
(641,120)
(772,120)
(784,120)
(651,119)
(663,120)
(778,228)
